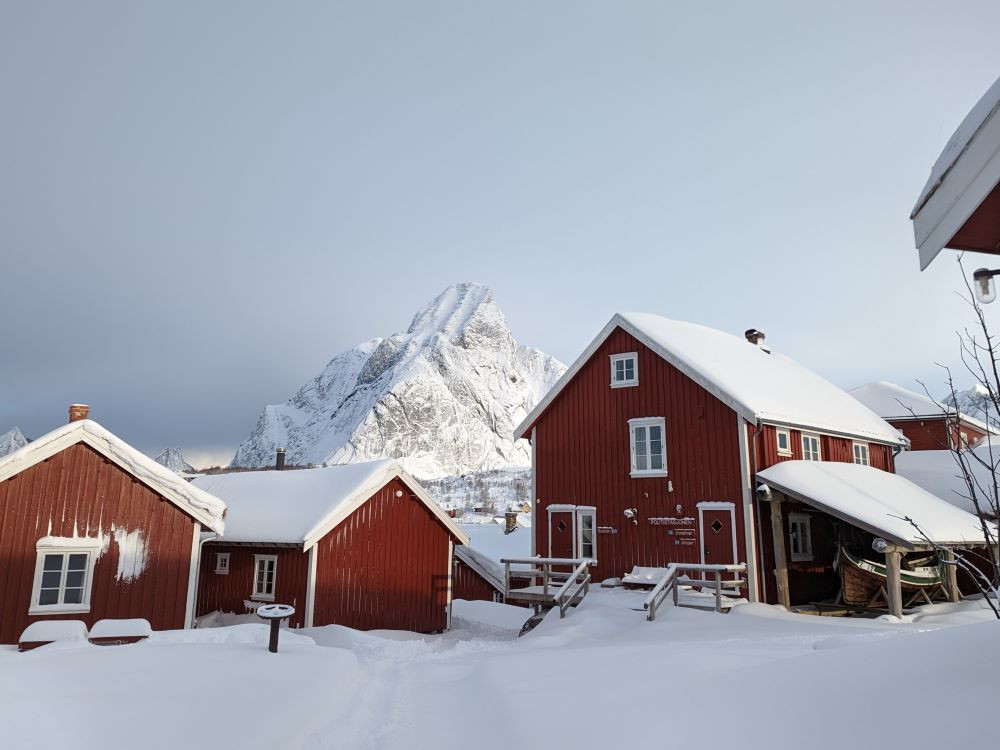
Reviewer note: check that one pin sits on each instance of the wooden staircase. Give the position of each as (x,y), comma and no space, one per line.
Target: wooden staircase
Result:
(552,582)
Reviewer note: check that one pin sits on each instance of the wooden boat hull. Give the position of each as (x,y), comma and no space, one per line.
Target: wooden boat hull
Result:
(862,580)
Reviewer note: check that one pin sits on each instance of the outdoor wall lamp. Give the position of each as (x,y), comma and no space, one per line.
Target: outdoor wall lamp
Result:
(632,515)
(985,287)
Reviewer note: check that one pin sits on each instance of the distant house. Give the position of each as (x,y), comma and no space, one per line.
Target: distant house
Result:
(959,207)
(360,545)
(652,447)
(927,424)
(92,529)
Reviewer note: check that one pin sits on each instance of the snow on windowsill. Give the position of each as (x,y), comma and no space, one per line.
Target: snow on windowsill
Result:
(57,609)
(646,474)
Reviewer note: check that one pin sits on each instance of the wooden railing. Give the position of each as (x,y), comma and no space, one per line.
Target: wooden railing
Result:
(573,585)
(672,580)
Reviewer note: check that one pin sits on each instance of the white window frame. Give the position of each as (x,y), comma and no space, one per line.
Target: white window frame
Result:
(586,511)
(647,422)
(264,596)
(861,448)
(804,522)
(63,546)
(819,446)
(615,359)
(222,564)
(787,450)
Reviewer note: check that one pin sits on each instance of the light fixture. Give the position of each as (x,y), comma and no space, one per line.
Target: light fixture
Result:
(983,284)
(631,514)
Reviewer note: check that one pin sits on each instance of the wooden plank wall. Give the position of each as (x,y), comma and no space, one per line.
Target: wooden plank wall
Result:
(583,458)
(471,586)
(228,592)
(831,449)
(386,566)
(79,491)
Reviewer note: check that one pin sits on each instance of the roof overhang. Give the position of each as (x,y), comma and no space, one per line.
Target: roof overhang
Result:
(161,480)
(346,508)
(468,556)
(960,206)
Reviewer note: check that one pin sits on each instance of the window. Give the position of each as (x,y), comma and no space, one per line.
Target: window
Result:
(784,441)
(648,451)
(265,568)
(222,563)
(624,370)
(963,440)
(800,537)
(810,448)
(861,454)
(62,577)
(587,528)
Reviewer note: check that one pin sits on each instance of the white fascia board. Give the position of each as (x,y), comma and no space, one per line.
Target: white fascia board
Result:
(38,450)
(961,189)
(346,508)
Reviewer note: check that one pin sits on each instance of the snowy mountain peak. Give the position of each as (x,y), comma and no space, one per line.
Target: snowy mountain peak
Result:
(444,396)
(11,441)
(975,402)
(173,459)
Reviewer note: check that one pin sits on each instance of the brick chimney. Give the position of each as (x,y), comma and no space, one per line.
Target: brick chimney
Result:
(279,459)
(510,521)
(78,412)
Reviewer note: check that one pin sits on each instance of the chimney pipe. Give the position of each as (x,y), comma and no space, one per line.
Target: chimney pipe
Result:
(510,521)
(279,459)
(754,336)
(78,412)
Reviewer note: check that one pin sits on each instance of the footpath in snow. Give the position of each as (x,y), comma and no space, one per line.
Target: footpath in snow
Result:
(603,677)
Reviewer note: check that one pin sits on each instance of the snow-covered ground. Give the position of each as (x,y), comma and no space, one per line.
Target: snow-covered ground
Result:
(603,677)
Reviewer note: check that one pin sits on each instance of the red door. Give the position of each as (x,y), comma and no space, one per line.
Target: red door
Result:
(718,536)
(562,534)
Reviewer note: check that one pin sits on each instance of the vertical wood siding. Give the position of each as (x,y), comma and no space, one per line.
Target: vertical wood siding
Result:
(469,585)
(385,566)
(78,491)
(831,449)
(932,434)
(583,458)
(228,592)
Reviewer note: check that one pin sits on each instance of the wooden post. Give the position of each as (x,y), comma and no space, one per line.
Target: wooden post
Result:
(951,576)
(780,562)
(893,586)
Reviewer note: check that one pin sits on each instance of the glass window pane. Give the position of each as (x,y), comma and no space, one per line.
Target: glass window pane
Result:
(77,562)
(48,596)
(50,580)
(73,596)
(74,579)
(52,562)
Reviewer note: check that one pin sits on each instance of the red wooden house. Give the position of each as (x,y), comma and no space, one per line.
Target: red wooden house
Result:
(927,424)
(360,545)
(91,528)
(646,452)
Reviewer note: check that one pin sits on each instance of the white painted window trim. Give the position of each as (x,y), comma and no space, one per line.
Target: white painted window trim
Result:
(788,442)
(615,359)
(220,568)
(581,512)
(805,523)
(647,422)
(865,450)
(819,446)
(257,560)
(61,546)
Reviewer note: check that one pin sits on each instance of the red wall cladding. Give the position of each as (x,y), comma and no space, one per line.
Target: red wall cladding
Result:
(583,458)
(228,592)
(386,566)
(469,585)
(78,490)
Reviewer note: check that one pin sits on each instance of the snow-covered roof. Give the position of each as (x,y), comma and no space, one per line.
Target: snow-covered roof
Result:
(963,175)
(300,506)
(208,509)
(891,401)
(939,473)
(874,500)
(760,386)
(487,568)
(488,544)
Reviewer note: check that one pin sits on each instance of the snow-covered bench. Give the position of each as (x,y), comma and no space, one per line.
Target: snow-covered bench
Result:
(43,632)
(640,576)
(118,632)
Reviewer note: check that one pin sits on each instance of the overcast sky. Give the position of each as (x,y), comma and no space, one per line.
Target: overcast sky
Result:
(202,203)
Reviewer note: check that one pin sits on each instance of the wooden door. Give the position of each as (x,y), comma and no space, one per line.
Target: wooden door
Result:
(561,543)
(718,533)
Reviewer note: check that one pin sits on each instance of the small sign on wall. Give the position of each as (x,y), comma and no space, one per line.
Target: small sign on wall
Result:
(671,521)
(607,530)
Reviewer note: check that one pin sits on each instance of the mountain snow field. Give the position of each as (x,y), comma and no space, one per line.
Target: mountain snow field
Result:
(602,677)
(443,396)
